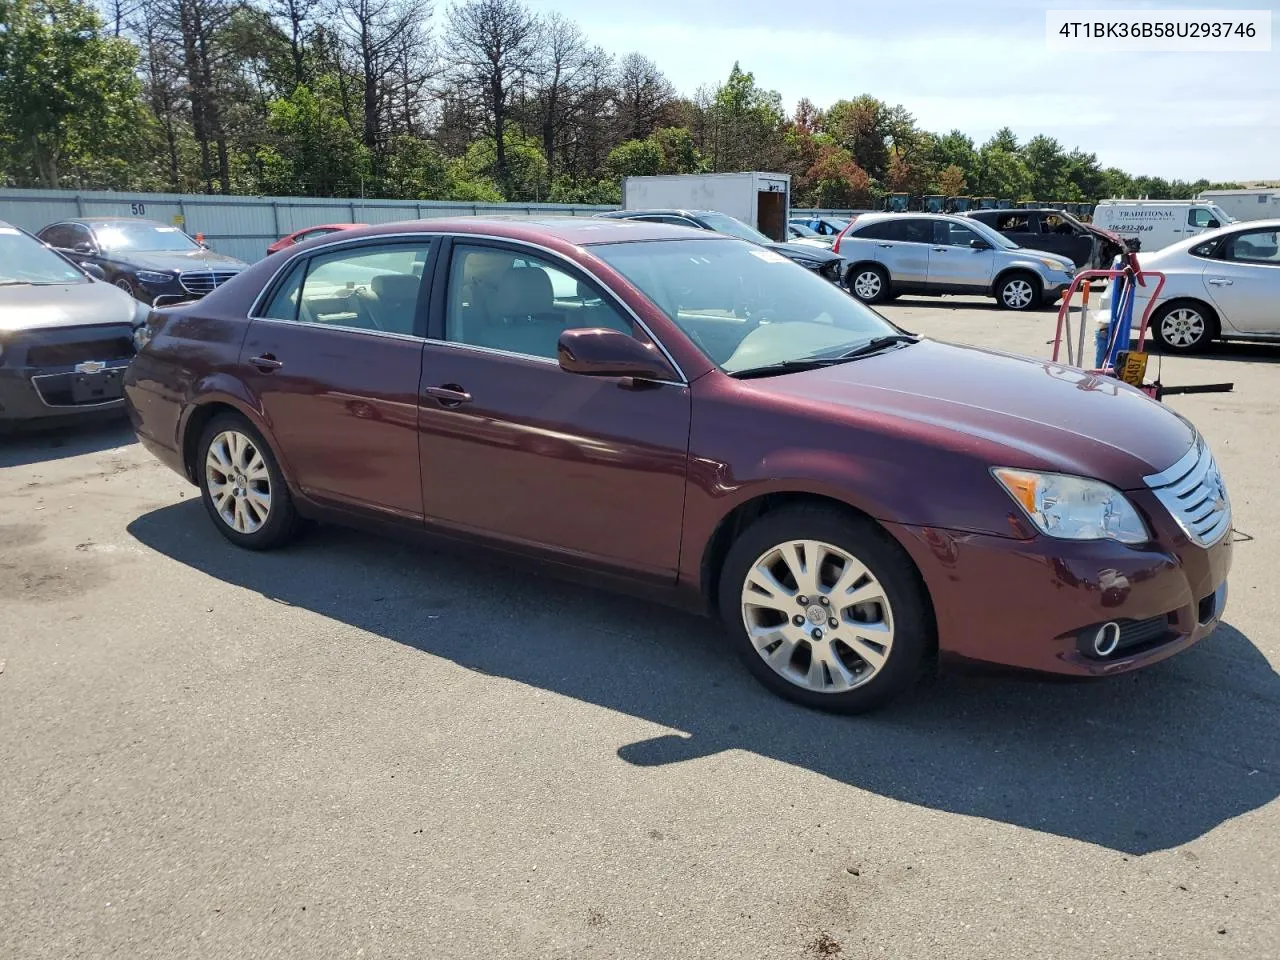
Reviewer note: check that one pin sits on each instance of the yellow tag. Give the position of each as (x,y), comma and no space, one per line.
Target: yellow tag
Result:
(179,220)
(1132,367)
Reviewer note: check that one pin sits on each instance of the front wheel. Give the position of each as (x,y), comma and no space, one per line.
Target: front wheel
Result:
(242,486)
(1018,291)
(125,284)
(1183,327)
(825,609)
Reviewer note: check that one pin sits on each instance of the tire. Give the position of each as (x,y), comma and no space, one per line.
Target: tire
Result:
(125,284)
(869,283)
(1019,291)
(248,524)
(876,649)
(1184,326)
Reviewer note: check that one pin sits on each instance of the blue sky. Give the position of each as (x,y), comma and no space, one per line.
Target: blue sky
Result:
(977,65)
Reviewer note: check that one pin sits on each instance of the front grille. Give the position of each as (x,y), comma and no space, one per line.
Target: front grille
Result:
(1194,494)
(201,282)
(66,354)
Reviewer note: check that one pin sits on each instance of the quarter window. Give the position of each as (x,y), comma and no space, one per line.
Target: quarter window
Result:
(508,300)
(1255,246)
(59,235)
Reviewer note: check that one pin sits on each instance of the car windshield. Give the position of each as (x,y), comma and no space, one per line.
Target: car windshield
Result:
(723,223)
(996,238)
(1221,215)
(119,237)
(742,306)
(802,231)
(24,260)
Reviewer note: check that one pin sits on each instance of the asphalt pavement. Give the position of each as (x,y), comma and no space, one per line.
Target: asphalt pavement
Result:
(363,748)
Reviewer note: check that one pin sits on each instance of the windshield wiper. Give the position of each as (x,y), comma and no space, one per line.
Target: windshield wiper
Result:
(16,283)
(874,345)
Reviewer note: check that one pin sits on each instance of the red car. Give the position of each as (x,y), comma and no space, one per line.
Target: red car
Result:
(310,233)
(700,417)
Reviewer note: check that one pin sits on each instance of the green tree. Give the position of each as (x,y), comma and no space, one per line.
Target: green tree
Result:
(526,167)
(1047,166)
(951,182)
(312,149)
(70,104)
(861,127)
(635,158)
(747,121)
(837,179)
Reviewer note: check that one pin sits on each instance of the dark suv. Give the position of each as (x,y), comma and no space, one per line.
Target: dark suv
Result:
(1055,231)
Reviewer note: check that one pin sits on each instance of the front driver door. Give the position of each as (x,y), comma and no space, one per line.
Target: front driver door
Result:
(334,359)
(1244,283)
(518,450)
(955,264)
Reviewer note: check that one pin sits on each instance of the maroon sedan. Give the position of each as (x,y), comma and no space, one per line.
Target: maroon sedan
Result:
(310,233)
(694,414)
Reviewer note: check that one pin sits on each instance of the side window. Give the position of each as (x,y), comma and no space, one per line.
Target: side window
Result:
(1053,223)
(82,234)
(1256,246)
(59,235)
(1014,223)
(366,288)
(881,230)
(946,233)
(917,231)
(1199,217)
(508,300)
(283,304)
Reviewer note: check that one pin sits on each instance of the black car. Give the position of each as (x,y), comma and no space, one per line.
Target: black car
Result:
(151,261)
(1055,231)
(808,256)
(66,337)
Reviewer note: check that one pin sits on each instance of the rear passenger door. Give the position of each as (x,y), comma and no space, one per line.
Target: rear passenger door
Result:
(902,245)
(332,356)
(515,449)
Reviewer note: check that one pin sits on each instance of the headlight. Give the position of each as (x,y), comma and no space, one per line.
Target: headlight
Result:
(151,276)
(141,329)
(1055,264)
(1073,508)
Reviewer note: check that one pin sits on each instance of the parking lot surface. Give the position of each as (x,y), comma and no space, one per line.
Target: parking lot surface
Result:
(360,748)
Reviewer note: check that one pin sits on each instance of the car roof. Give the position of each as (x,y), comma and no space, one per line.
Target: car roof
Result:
(658,212)
(918,214)
(99,221)
(562,231)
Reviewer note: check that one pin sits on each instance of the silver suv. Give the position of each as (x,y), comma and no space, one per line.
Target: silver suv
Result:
(893,253)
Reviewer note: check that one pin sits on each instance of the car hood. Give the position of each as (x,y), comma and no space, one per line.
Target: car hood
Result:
(1013,411)
(1033,252)
(63,305)
(804,251)
(178,260)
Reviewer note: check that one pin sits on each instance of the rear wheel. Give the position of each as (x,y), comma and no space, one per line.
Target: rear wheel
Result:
(1018,291)
(1184,326)
(868,283)
(242,486)
(825,609)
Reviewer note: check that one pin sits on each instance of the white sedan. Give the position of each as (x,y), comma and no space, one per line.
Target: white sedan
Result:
(1219,285)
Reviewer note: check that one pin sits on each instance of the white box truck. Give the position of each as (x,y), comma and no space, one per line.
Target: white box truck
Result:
(1157,223)
(762,200)
(1262,203)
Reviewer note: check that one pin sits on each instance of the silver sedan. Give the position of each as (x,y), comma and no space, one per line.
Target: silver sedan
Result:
(1220,285)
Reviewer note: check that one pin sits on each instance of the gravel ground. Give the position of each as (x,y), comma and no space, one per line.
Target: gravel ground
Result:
(357,748)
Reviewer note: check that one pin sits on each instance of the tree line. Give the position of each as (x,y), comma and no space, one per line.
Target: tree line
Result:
(479,101)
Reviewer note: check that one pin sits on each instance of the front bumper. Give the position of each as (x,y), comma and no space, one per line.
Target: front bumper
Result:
(64,373)
(1034,604)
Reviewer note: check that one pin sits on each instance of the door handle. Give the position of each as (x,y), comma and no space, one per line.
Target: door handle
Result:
(884,244)
(267,363)
(939,249)
(1220,281)
(449,395)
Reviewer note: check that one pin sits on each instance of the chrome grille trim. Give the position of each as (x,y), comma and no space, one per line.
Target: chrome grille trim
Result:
(1195,496)
(201,282)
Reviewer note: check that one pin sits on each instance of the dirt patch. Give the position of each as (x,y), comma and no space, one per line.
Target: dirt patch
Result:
(19,535)
(40,576)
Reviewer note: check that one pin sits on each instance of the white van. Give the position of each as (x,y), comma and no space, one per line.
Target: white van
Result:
(1158,223)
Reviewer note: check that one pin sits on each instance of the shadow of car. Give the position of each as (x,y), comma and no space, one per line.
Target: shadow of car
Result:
(1142,763)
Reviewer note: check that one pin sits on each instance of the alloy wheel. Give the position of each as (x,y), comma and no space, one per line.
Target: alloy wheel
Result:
(867,285)
(238,481)
(1018,294)
(1183,327)
(817,615)
(126,286)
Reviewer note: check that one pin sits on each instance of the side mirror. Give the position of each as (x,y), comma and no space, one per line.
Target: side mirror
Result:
(979,244)
(600,352)
(1213,223)
(93,270)
(84,248)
